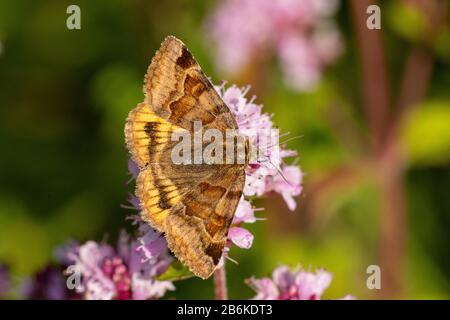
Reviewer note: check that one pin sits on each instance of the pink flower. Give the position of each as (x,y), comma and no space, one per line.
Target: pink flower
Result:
(89,261)
(310,286)
(288,184)
(152,244)
(328,43)
(300,33)
(122,273)
(240,237)
(244,212)
(299,61)
(230,23)
(287,284)
(265,288)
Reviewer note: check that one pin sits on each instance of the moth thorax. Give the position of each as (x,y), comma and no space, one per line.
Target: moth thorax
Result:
(210,147)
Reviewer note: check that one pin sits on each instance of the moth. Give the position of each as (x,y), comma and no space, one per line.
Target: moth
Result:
(191,204)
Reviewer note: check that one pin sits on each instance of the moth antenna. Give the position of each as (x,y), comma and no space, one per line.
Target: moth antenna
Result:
(293,138)
(285,141)
(284,134)
(281,173)
(277,144)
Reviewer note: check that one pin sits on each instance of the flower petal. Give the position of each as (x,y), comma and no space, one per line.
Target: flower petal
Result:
(133,168)
(146,288)
(244,212)
(240,237)
(265,289)
(311,286)
(283,277)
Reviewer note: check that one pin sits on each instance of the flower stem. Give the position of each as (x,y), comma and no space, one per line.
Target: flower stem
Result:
(220,283)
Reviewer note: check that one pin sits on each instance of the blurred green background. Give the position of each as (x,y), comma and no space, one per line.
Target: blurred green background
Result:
(65,94)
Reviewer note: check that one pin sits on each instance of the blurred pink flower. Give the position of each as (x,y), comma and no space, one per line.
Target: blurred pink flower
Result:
(299,61)
(62,252)
(299,33)
(297,284)
(122,273)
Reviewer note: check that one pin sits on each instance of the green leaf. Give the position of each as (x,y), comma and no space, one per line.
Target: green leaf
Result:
(176,272)
(406,21)
(426,134)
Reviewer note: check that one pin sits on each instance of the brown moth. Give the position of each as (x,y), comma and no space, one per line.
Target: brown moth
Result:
(192,204)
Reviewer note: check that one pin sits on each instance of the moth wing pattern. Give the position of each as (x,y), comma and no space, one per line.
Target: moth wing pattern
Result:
(176,89)
(198,228)
(146,134)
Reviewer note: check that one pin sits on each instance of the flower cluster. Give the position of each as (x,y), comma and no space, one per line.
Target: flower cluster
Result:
(263,176)
(297,284)
(300,33)
(123,272)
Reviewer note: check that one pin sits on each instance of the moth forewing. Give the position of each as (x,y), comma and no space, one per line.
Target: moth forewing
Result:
(213,151)
(235,147)
(181,151)
(198,142)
